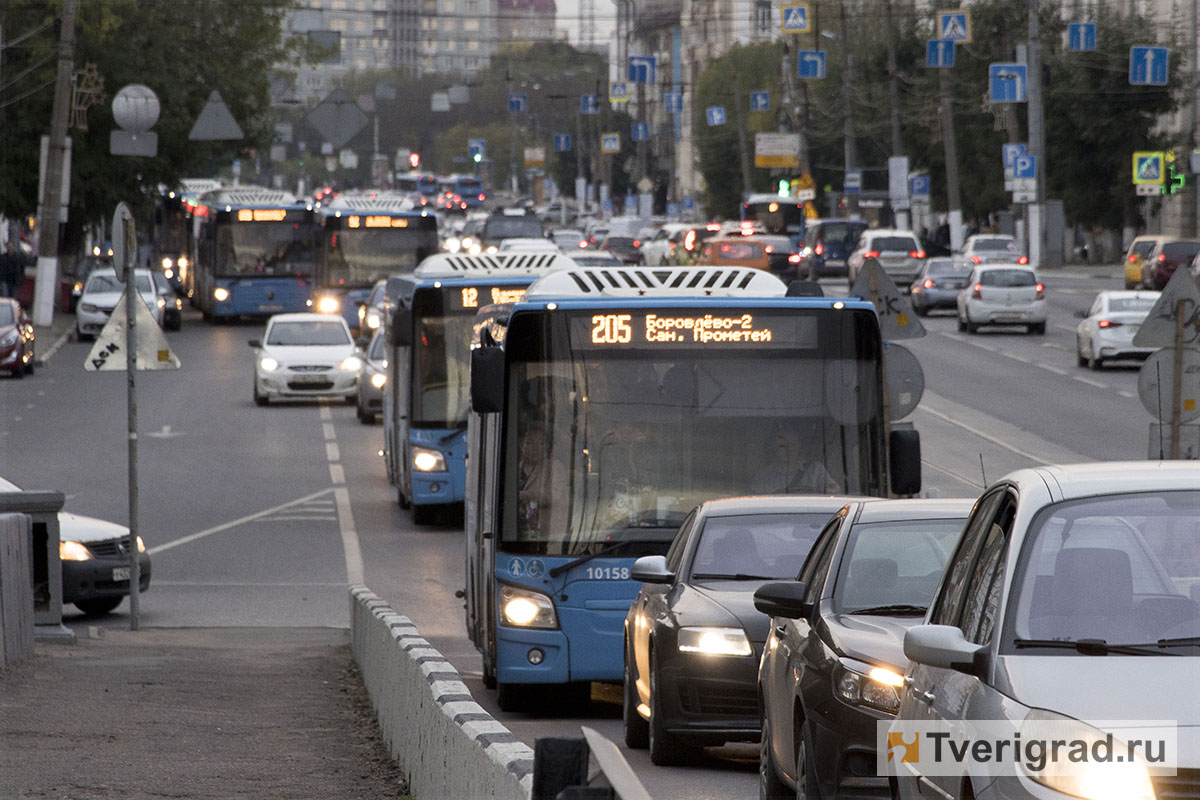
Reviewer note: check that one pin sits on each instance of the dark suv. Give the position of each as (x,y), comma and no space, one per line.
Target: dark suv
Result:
(827,243)
(1167,256)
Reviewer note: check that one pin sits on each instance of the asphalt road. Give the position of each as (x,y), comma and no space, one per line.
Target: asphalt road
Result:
(261,516)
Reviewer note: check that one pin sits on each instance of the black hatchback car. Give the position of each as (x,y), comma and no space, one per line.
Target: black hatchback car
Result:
(692,636)
(833,662)
(827,245)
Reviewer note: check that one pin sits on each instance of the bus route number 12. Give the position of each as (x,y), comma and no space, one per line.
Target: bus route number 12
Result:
(612,329)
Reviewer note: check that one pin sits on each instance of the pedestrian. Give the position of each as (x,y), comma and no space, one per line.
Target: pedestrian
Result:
(12,270)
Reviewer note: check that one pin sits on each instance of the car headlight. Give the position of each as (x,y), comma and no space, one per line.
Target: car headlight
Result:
(88,307)
(426,459)
(183,262)
(714,641)
(467,243)
(328,305)
(524,608)
(11,338)
(373,319)
(1092,779)
(876,687)
(167,263)
(351,364)
(168,273)
(453,245)
(141,545)
(220,294)
(162,302)
(73,551)
(378,380)
(268,363)
(492,249)
(178,304)
(77,289)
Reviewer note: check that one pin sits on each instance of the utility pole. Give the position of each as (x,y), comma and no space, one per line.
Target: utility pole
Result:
(1191,199)
(953,196)
(512,136)
(1037,135)
(849,134)
(743,146)
(894,101)
(47,266)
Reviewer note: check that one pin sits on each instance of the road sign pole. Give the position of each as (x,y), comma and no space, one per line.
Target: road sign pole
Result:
(123,226)
(1037,135)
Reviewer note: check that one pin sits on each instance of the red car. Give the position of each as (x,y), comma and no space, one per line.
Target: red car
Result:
(16,339)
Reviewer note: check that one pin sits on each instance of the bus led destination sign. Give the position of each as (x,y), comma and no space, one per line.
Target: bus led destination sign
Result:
(261,214)
(475,296)
(376,221)
(705,330)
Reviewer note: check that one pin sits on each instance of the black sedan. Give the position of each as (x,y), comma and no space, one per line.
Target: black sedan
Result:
(834,661)
(692,636)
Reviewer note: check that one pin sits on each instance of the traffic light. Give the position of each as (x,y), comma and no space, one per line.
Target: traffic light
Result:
(785,187)
(477,157)
(414,160)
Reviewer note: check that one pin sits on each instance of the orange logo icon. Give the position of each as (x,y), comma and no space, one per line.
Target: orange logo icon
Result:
(911,749)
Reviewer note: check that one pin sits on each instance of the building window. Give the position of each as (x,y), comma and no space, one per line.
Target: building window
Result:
(762,16)
(360,25)
(338,5)
(472,44)
(448,5)
(470,24)
(337,25)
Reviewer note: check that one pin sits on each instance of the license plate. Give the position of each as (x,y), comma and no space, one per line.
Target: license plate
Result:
(309,379)
(271,307)
(120,573)
(1007,317)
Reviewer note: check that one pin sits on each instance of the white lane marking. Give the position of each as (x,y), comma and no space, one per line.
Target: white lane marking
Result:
(238,584)
(1091,382)
(955,475)
(234,523)
(325,413)
(1127,394)
(337,474)
(332,454)
(1055,370)
(354,562)
(54,348)
(327,429)
(1054,455)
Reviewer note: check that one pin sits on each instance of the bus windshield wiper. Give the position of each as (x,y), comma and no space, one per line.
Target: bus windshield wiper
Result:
(1094,647)
(459,427)
(603,551)
(735,576)
(897,609)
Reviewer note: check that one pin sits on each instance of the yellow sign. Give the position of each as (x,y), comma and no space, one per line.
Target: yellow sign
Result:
(1148,168)
(767,160)
(535,156)
(376,221)
(618,92)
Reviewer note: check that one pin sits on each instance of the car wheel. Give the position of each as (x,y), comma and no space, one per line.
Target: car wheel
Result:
(636,729)
(1080,361)
(1038,328)
(366,417)
(770,787)
(100,607)
(806,774)
(1094,361)
(665,748)
(972,327)
(351,399)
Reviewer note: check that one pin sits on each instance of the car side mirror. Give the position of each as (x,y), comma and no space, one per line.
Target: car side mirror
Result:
(651,569)
(944,646)
(487,379)
(783,599)
(255,343)
(905,461)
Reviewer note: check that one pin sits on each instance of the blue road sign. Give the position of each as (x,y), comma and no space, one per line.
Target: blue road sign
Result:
(715,115)
(1081,36)
(674,102)
(610,143)
(954,25)
(618,92)
(760,101)
(1009,153)
(810,64)
(562,142)
(641,69)
(939,53)
(1007,83)
(672,210)
(919,186)
(1025,166)
(477,147)
(589,104)
(606,205)
(1148,66)
(689,203)
(853,181)
(518,102)
(640,132)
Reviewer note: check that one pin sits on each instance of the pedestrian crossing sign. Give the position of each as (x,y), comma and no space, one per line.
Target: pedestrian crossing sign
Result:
(795,18)
(1147,168)
(955,25)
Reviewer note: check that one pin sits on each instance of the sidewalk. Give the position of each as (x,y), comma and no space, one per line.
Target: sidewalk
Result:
(205,713)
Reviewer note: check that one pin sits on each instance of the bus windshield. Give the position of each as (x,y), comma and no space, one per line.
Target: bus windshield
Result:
(265,248)
(360,257)
(781,216)
(616,443)
(441,383)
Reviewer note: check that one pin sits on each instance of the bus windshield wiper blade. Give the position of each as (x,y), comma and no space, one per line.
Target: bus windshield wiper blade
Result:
(726,576)
(1094,647)
(603,551)
(897,609)
(458,428)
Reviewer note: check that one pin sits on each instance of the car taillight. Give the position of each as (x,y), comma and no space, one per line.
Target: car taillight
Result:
(916,254)
(976,260)
(713,226)
(819,249)
(1162,257)
(1023,260)
(1132,259)
(977,291)
(1109,323)
(637,243)
(1041,291)
(794,258)
(930,283)
(769,249)
(482,197)
(871,254)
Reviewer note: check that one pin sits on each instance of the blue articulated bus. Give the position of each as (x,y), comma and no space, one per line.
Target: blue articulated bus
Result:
(367,237)
(255,253)
(430,327)
(609,403)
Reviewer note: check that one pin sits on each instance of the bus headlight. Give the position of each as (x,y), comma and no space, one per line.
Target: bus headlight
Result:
(714,641)
(453,245)
(378,380)
(328,305)
(426,459)
(167,263)
(268,364)
(523,608)
(492,249)
(220,294)
(168,273)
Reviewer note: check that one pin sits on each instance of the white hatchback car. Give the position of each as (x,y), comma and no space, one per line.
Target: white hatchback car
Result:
(1002,294)
(1108,327)
(100,296)
(305,355)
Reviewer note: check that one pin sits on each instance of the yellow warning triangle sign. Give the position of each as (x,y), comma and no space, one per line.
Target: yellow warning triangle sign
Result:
(109,351)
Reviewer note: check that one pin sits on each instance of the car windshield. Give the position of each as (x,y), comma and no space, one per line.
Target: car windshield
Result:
(1007,278)
(315,333)
(506,227)
(1131,303)
(7,315)
(893,244)
(771,546)
(896,563)
(944,266)
(1118,568)
(109,283)
(843,232)
(995,245)
(1176,251)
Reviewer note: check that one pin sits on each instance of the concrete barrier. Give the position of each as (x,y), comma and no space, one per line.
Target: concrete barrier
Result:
(16,588)
(446,743)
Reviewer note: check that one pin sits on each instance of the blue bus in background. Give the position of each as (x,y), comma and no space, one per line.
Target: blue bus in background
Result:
(608,404)
(255,252)
(367,237)
(431,317)
(470,189)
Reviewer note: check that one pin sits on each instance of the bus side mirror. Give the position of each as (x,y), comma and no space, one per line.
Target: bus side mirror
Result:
(805,289)
(400,330)
(487,379)
(905,462)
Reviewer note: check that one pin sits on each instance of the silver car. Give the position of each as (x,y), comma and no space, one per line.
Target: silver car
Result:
(1107,328)
(898,252)
(1002,294)
(1070,605)
(372,377)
